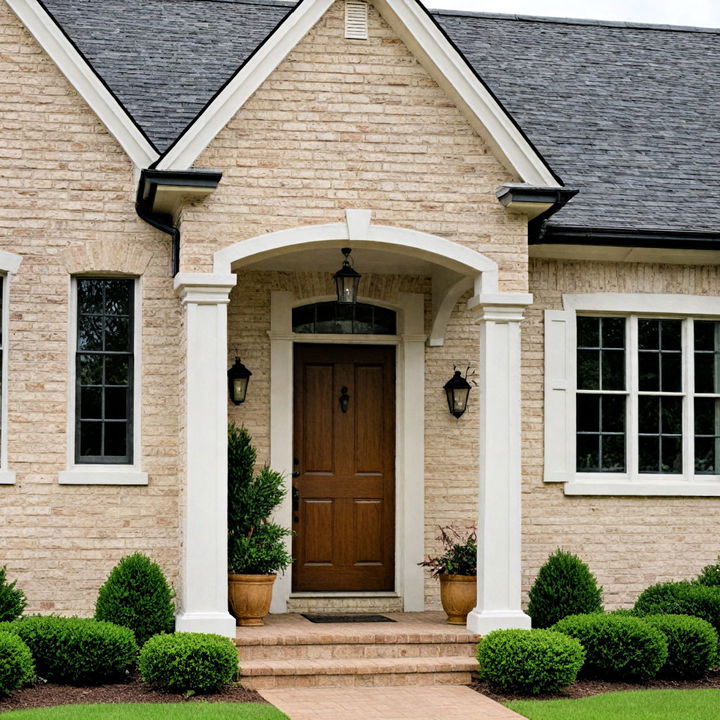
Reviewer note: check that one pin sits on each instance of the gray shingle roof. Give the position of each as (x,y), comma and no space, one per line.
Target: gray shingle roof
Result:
(628,114)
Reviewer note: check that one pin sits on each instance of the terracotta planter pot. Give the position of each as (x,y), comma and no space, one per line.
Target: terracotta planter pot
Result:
(250,597)
(458,594)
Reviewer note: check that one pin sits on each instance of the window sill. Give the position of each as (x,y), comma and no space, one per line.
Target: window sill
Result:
(7,477)
(103,475)
(659,488)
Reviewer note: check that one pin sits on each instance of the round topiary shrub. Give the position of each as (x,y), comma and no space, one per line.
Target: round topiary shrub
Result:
(617,647)
(76,651)
(564,586)
(136,595)
(681,598)
(692,645)
(16,663)
(529,662)
(12,599)
(710,575)
(188,662)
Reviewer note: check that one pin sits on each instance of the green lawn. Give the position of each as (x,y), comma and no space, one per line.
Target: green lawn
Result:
(152,711)
(636,705)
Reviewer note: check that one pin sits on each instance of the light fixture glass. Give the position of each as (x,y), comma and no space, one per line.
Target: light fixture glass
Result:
(238,380)
(347,280)
(457,390)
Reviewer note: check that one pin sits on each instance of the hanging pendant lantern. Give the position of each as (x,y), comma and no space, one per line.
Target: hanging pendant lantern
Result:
(457,390)
(347,280)
(238,380)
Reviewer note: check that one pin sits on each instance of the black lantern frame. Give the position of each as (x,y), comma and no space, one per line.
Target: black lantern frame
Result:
(347,281)
(457,389)
(238,380)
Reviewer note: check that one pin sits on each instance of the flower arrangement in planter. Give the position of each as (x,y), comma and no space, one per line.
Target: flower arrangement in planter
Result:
(256,547)
(456,567)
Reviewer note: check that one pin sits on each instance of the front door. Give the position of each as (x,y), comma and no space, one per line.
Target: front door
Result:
(344,473)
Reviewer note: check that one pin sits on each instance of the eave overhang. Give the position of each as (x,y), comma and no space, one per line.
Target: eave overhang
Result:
(533,200)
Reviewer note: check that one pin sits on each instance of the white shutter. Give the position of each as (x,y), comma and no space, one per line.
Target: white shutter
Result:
(559,396)
(356,20)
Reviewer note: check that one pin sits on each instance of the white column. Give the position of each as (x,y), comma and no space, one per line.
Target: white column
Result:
(499,519)
(204,596)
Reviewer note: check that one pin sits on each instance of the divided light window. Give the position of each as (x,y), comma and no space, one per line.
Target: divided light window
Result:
(648,396)
(104,371)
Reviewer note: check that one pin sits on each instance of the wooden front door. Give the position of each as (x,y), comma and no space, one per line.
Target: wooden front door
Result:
(344,473)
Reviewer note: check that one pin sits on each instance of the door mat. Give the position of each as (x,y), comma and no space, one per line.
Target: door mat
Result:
(346,618)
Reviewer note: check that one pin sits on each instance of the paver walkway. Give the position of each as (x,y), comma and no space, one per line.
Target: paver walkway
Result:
(436,702)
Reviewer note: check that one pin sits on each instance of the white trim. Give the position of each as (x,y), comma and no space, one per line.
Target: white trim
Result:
(560,393)
(415,27)
(410,430)
(7,477)
(79,473)
(83,78)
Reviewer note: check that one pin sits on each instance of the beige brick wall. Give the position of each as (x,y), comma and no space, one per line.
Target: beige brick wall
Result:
(67,205)
(628,542)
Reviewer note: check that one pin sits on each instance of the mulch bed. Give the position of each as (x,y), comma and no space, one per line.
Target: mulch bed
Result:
(134,691)
(585,688)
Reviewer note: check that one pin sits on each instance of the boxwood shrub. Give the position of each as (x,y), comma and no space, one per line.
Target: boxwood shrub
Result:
(617,647)
(136,595)
(692,645)
(188,662)
(16,663)
(12,599)
(76,651)
(681,598)
(529,662)
(710,575)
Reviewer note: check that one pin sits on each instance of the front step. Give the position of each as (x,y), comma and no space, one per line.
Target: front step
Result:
(257,675)
(417,649)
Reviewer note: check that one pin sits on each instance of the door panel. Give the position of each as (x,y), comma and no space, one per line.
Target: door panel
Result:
(344,454)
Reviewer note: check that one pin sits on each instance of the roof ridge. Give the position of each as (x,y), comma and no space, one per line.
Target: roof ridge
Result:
(269,3)
(576,21)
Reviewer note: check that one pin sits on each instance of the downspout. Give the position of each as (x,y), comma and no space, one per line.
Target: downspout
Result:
(160,221)
(536,227)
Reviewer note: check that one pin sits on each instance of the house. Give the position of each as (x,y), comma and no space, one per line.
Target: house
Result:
(533,199)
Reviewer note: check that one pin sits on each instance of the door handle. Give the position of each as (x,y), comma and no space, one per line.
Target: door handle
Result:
(296,473)
(295,499)
(344,399)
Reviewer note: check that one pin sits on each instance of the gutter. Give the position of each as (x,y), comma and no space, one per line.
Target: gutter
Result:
(160,195)
(536,202)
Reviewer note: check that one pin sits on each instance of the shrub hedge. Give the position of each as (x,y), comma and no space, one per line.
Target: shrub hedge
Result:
(188,662)
(710,575)
(12,599)
(136,595)
(16,663)
(76,651)
(681,598)
(617,647)
(564,586)
(692,645)
(529,661)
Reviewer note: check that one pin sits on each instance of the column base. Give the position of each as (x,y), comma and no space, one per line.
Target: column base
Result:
(206,622)
(482,622)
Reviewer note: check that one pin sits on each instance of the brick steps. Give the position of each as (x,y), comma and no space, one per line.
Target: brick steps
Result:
(344,651)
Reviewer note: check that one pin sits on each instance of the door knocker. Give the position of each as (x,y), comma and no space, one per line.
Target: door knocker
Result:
(344,399)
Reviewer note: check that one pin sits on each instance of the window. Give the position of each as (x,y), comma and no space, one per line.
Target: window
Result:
(632,398)
(339,318)
(104,366)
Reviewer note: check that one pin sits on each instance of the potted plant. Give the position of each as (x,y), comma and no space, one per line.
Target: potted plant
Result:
(256,547)
(457,569)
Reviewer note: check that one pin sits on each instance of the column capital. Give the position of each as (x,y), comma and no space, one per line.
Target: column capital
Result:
(204,288)
(500,307)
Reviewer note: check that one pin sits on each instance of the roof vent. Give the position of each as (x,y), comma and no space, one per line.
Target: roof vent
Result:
(356,20)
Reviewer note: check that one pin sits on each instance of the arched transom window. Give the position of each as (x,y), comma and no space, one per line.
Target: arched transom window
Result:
(340,319)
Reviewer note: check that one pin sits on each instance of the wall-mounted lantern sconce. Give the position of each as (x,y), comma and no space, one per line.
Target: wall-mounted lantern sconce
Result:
(457,389)
(347,280)
(238,379)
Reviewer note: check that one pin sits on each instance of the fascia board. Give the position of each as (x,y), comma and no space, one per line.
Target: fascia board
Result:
(183,153)
(451,71)
(84,79)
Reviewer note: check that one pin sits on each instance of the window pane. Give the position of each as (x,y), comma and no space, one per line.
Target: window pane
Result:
(115,439)
(671,415)
(649,334)
(588,453)
(613,413)
(90,296)
(116,370)
(90,332)
(707,436)
(705,334)
(707,416)
(671,455)
(588,413)
(90,438)
(385,321)
(649,414)
(363,319)
(707,377)
(118,297)
(613,332)
(613,370)
(325,318)
(117,333)
(116,403)
(707,456)
(670,334)
(303,319)
(90,370)
(613,453)
(91,403)
(649,371)
(588,332)
(671,372)
(588,369)
(649,454)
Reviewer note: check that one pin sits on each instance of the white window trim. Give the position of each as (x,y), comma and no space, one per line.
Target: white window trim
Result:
(560,384)
(81,474)
(9,265)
